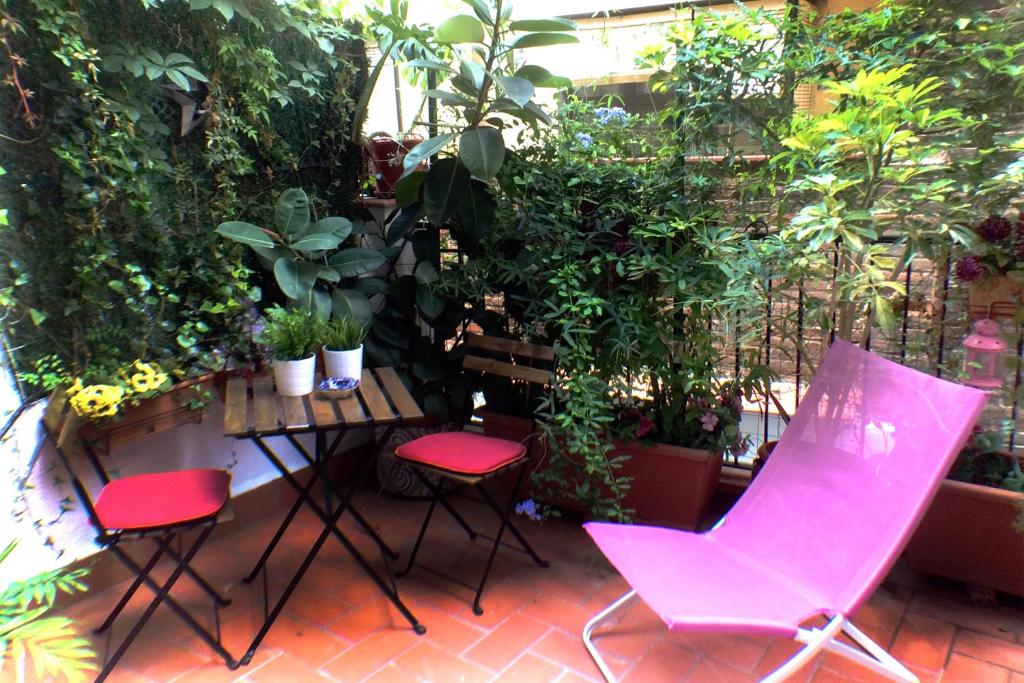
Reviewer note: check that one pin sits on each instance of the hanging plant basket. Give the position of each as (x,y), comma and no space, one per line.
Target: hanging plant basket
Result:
(995,297)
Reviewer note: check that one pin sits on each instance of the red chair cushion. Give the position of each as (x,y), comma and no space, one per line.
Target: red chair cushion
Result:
(162,499)
(461,452)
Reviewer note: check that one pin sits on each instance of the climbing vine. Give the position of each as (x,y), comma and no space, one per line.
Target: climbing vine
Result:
(134,127)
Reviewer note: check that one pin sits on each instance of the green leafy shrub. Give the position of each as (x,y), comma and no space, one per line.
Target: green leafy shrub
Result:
(292,333)
(136,127)
(27,634)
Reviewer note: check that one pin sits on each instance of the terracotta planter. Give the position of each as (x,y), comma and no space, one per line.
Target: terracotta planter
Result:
(995,297)
(156,414)
(386,157)
(672,485)
(967,534)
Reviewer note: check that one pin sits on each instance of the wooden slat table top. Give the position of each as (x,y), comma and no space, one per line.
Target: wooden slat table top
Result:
(253,407)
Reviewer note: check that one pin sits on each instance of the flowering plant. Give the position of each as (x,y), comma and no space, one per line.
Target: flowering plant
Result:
(999,250)
(100,400)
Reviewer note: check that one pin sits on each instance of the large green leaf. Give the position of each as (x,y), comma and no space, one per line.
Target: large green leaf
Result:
(543,25)
(316,241)
(291,215)
(442,191)
(425,273)
(476,212)
(401,224)
(351,303)
(295,277)
(371,285)
(327,273)
(430,304)
(322,303)
(482,150)
(267,257)
(391,332)
(425,150)
(461,28)
(541,77)
(473,73)
(481,9)
(407,189)
(336,225)
(450,98)
(543,39)
(246,233)
(519,90)
(356,261)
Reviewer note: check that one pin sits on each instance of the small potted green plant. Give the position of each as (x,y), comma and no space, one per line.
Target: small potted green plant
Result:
(343,347)
(293,336)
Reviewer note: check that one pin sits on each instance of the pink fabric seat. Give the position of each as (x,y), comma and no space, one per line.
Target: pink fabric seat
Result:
(160,499)
(462,452)
(823,523)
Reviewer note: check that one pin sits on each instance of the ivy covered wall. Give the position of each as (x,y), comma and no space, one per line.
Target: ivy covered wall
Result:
(131,129)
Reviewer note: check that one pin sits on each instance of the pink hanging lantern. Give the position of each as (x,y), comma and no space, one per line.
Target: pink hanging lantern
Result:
(985,355)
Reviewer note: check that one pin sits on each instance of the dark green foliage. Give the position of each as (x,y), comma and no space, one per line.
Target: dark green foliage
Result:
(113,185)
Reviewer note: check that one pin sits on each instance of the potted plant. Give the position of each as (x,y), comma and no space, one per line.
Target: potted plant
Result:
(994,268)
(974,530)
(343,347)
(292,336)
(387,155)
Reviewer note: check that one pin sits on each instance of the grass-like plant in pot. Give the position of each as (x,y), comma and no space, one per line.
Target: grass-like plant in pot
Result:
(293,336)
(343,347)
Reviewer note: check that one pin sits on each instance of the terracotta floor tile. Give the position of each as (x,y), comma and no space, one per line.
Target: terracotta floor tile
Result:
(573,677)
(497,650)
(449,632)
(964,669)
(286,668)
(1016,677)
(557,611)
(883,610)
(532,669)
(778,653)
(570,652)
(434,665)
(923,641)
(391,674)
(998,622)
(359,622)
(738,652)
(993,650)
(370,654)
(663,663)
(709,671)
(635,632)
(315,606)
(312,644)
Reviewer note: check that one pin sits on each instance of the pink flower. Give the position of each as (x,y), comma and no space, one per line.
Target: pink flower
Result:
(994,229)
(644,426)
(969,268)
(709,421)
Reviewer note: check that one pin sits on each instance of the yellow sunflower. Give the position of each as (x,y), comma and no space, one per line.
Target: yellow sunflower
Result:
(97,400)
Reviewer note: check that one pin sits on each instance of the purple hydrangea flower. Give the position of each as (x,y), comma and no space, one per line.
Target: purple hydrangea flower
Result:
(616,115)
(994,229)
(969,269)
(584,140)
(528,508)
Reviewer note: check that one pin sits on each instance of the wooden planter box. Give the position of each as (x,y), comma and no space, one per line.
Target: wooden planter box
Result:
(156,414)
(967,534)
(672,485)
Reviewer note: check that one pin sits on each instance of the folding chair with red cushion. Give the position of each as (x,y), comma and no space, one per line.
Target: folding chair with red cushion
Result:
(158,507)
(468,459)
(820,527)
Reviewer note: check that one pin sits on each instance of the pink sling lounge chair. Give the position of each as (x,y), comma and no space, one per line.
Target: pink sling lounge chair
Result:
(820,527)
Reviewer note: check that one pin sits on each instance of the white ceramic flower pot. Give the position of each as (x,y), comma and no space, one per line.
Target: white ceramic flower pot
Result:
(295,377)
(344,363)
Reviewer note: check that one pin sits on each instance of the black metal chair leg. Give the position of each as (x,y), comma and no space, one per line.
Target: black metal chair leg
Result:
(419,538)
(279,534)
(438,493)
(477,609)
(201,582)
(512,527)
(163,595)
(140,577)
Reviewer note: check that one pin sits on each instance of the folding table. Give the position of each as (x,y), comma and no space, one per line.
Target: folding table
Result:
(254,411)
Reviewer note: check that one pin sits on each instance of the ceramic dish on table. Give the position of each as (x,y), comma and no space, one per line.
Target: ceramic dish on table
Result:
(336,387)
